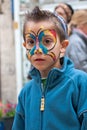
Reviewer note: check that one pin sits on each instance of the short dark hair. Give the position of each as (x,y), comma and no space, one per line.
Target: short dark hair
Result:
(37,15)
(70,7)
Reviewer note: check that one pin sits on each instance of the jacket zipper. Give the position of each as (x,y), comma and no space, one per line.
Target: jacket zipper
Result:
(42,105)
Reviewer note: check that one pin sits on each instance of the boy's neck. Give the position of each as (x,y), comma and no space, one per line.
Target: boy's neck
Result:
(44,73)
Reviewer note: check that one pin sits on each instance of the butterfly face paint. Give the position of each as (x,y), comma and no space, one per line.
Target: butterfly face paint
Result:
(43,42)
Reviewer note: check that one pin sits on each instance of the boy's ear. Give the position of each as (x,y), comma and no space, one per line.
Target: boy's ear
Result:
(24,44)
(65,43)
(63,48)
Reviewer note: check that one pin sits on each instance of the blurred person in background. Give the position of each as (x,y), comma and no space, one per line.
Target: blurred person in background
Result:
(77,49)
(65,10)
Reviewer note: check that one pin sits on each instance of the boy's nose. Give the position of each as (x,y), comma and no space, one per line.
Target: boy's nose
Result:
(37,51)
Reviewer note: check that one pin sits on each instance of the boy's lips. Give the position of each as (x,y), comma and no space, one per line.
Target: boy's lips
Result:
(39,59)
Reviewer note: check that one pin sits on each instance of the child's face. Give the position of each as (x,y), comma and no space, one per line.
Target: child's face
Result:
(43,46)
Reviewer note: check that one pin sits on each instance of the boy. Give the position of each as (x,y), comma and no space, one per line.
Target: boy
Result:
(56,96)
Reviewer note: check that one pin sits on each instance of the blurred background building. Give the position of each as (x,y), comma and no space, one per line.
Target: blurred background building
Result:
(14,66)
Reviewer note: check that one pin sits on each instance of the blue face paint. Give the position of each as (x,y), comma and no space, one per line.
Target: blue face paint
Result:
(33,37)
(42,47)
(40,36)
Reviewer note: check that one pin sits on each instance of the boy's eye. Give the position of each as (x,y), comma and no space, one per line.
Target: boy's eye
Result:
(30,43)
(47,41)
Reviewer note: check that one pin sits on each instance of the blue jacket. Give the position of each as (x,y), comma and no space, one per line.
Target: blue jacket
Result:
(65,101)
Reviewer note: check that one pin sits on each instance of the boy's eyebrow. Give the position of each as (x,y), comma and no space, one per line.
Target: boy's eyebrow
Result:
(38,32)
(26,33)
(32,32)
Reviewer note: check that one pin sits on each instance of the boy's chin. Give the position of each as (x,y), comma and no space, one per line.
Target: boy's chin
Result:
(40,68)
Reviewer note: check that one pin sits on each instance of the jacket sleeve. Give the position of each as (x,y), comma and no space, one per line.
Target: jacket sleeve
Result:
(82,102)
(18,123)
(84,121)
(19,119)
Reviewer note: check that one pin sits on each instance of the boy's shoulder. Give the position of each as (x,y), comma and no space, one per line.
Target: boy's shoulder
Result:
(80,72)
(27,87)
(78,75)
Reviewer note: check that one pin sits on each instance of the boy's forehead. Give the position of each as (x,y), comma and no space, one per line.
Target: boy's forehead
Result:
(35,26)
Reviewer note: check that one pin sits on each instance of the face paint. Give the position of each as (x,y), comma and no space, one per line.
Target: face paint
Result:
(43,42)
(48,38)
(41,49)
(52,55)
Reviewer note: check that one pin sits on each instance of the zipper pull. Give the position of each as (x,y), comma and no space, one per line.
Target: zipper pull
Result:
(42,104)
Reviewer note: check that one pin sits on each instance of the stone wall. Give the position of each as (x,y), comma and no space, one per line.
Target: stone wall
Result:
(7,54)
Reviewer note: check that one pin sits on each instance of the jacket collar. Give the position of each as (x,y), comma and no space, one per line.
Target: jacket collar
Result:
(55,74)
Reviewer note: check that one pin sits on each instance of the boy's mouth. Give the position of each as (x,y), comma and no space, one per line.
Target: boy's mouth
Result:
(39,59)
